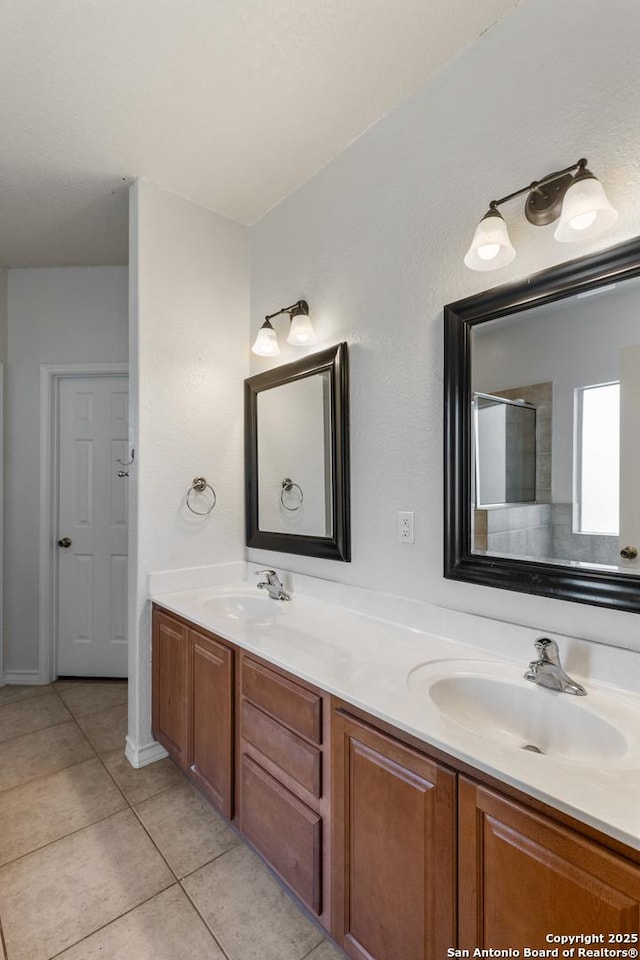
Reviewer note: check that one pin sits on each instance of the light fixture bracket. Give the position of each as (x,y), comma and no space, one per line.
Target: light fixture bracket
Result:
(297,308)
(544,203)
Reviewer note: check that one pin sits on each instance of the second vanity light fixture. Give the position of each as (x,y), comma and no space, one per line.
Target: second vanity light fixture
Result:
(300,331)
(572,196)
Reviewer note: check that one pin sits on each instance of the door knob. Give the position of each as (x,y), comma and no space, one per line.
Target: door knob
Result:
(65,542)
(629,553)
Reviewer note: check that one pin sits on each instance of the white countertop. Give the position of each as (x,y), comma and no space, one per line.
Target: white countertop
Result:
(366,661)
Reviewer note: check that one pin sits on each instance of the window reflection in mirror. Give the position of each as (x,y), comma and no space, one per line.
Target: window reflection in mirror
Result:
(577,362)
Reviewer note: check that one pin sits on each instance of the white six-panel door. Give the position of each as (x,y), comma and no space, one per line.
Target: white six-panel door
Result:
(93,515)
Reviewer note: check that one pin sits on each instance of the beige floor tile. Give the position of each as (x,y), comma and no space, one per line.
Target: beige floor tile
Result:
(106,730)
(326,951)
(185,828)
(248,912)
(25,716)
(85,698)
(43,810)
(38,754)
(138,785)
(165,928)
(54,897)
(13,692)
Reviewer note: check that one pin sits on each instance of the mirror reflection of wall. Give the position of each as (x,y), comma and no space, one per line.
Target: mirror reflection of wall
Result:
(584,354)
(294,444)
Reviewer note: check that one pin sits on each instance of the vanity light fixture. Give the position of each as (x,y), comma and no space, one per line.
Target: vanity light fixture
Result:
(572,196)
(300,330)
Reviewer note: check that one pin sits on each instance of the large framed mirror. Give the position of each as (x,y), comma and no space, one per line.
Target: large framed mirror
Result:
(297,457)
(542,433)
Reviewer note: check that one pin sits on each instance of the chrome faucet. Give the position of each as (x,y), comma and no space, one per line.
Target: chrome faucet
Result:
(547,670)
(272,585)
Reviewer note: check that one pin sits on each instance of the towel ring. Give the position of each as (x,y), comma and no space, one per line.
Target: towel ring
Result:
(199,484)
(287,486)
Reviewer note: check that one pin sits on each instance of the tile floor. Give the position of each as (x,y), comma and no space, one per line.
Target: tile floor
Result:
(98,860)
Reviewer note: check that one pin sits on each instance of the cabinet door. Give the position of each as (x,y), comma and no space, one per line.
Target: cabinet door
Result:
(211,754)
(284,830)
(211,746)
(394,818)
(523,876)
(170,661)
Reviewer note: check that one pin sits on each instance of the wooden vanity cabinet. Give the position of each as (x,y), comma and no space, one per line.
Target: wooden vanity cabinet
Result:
(170,686)
(193,704)
(283,799)
(393,847)
(211,739)
(522,876)
(400,855)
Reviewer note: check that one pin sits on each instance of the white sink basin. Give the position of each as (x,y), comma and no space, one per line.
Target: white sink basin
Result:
(245,606)
(493,701)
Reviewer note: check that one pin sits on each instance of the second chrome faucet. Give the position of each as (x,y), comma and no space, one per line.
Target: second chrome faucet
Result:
(547,670)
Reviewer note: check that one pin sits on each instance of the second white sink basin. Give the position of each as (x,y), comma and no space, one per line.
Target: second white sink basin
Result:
(493,701)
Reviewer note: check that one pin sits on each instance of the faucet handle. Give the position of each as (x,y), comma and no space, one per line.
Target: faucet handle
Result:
(548,649)
(267,573)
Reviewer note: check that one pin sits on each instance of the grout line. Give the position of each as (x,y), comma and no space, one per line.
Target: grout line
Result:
(50,773)
(179,881)
(202,917)
(134,803)
(47,726)
(3,943)
(43,692)
(312,949)
(114,920)
(63,837)
(212,860)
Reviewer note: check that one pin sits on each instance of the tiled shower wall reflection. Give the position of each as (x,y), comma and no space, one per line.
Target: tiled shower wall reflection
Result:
(541,531)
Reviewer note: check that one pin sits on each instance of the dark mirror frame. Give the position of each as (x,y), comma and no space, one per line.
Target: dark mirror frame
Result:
(560,581)
(337,546)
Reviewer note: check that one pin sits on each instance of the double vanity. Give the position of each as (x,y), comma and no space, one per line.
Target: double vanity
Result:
(414,792)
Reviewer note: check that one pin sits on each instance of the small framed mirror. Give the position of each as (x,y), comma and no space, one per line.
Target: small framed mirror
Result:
(297,457)
(542,420)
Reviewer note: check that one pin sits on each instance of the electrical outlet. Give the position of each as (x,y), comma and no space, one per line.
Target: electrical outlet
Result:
(405,526)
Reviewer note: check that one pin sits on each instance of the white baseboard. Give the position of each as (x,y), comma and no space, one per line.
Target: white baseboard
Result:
(142,756)
(22,678)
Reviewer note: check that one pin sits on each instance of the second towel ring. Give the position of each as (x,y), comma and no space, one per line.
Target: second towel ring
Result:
(199,485)
(287,486)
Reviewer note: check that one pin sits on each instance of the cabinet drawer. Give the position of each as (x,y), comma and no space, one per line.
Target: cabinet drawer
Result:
(285,831)
(290,753)
(298,708)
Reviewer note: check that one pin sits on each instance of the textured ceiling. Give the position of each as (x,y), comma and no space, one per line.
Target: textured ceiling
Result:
(231,103)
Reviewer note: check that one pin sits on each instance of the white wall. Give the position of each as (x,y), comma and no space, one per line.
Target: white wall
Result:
(60,315)
(375,244)
(188,357)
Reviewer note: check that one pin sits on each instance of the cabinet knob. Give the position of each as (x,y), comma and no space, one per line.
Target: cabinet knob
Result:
(65,542)
(629,553)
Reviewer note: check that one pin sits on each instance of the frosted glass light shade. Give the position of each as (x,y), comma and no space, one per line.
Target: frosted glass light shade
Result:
(491,247)
(301,330)
(266,343)
(586,212)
